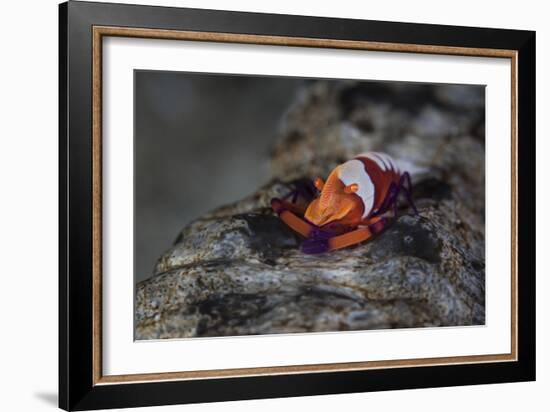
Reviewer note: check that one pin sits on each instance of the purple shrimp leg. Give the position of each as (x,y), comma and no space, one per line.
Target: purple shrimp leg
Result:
(317,242)
(389,201)
(406,177)
(321,240)
(303,188)
(394,191)
(379,226)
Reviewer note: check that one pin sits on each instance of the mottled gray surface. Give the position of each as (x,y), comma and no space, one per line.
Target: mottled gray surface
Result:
(238,270)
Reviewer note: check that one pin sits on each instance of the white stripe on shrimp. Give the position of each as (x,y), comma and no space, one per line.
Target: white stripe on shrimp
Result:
(353,171)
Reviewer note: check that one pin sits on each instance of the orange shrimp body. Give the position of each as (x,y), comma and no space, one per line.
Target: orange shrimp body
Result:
(353,190)
(351,206)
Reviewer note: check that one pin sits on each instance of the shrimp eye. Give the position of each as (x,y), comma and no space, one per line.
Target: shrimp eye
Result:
(319,183)
(351,188)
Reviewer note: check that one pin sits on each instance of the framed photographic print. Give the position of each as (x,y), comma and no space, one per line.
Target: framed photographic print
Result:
(257,205)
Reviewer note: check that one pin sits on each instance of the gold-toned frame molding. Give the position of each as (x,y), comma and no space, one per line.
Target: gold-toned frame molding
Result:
(101,31)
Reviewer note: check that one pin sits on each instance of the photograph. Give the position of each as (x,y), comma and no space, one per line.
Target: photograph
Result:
(282,205)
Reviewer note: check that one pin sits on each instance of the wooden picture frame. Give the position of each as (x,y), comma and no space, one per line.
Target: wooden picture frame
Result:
(82,384)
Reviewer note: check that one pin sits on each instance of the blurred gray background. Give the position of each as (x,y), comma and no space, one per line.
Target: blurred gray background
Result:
(201,140)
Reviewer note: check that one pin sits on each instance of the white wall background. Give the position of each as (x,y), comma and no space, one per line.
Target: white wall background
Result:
(28,208)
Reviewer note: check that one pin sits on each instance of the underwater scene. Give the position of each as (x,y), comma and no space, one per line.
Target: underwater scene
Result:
(271,205)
